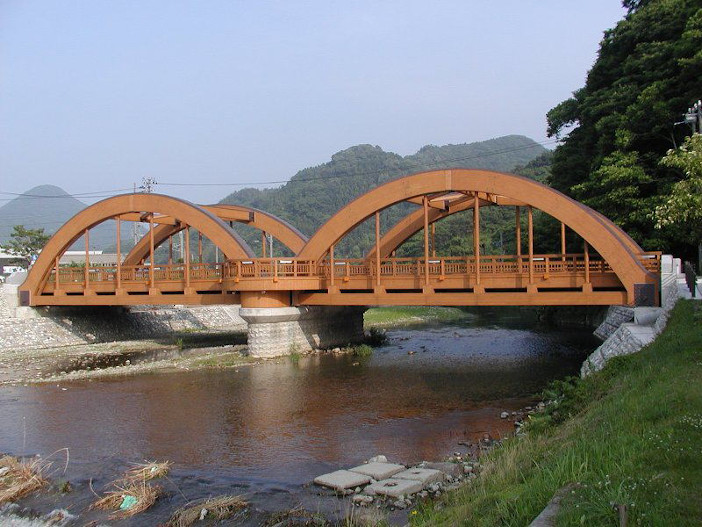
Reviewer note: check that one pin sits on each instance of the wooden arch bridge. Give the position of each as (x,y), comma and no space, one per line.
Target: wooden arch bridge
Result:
(611,269)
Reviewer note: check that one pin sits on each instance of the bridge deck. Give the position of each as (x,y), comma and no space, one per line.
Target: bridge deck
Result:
(496,280)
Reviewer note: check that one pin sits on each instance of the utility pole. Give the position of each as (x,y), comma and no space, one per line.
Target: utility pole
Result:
(693,117)
(148,184)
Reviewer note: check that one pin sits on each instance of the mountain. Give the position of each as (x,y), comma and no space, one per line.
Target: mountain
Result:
(47,207)
(314,194)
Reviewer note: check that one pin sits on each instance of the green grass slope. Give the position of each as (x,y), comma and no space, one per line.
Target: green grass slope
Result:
(629,435)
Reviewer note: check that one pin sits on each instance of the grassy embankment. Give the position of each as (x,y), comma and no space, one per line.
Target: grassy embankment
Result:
(402,315)
(629,435)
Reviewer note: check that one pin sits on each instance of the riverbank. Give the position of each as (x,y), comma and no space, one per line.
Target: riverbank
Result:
(629,435)
(187,349)
(387,317)
(180,351)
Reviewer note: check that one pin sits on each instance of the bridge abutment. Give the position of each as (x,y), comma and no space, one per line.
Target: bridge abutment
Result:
(277,331)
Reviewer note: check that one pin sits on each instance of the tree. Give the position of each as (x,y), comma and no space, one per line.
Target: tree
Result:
(25,243)
(616,128)
(683,206)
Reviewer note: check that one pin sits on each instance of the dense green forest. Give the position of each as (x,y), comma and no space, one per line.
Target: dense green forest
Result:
(314,194)
(617,127)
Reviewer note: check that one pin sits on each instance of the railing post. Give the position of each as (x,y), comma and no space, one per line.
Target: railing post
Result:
(587,285)
(377,248)
(531,244)
(56,278)
(476,236)
(563,242)
(119,254)
(425,205)
(433,240)
(187,257)
(518,238)
(332,264)
(87,258)
(151,252)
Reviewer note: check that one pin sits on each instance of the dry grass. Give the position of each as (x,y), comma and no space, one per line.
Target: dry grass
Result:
(133,484)
(17,478)
(218,508)
(145,472)
(145,497)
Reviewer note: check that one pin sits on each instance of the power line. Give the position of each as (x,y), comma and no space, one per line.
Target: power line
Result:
(151,182)
(361,174)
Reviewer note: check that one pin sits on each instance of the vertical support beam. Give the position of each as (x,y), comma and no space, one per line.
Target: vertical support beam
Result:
(425,205)
(518,237)
(170,250)
(587,286)
(530,212)
(119,254)
(187,259)
(476,236)
(377,248)
(152,266)
(433,240)
(563,242)
(199,247)
(86,235)
(263,244)
(332,265)
(56,274)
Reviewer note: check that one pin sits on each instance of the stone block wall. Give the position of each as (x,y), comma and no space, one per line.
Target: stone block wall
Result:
(623,337)
(63,326)
(275,332)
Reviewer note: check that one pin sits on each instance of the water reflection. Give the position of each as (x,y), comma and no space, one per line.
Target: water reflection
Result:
(296,419)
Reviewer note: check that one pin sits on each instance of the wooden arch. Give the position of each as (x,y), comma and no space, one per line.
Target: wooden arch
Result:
(600,233)
(127,204)
(280,229)
(413,222)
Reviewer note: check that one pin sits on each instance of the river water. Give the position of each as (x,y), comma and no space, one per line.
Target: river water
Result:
(267,430)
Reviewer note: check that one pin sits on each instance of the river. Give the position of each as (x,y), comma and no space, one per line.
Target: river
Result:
(267,430)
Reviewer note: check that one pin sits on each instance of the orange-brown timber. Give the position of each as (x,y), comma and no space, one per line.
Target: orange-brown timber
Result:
(608,277)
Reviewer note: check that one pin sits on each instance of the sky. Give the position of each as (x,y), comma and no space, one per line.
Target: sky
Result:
(96,95)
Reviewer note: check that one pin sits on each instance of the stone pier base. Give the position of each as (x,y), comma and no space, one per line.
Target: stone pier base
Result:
(279,331)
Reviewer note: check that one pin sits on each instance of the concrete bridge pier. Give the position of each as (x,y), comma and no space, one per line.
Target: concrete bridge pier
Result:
(276,328)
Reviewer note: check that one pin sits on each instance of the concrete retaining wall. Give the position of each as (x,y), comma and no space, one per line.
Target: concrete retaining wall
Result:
(626,330)
(46,327)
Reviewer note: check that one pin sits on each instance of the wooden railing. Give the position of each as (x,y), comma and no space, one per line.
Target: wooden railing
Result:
(137,273)
(279,268)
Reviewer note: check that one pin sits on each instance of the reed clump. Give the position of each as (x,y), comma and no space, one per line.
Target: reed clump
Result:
(19,478)
(128,500)
(132,494)
(219,508)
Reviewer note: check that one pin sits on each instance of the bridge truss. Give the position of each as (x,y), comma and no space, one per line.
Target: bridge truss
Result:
(611,269)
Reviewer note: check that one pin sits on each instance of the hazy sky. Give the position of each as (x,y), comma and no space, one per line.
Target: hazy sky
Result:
(96,94)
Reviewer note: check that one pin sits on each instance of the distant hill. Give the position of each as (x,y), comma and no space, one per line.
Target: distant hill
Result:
(314,194)
(47,207)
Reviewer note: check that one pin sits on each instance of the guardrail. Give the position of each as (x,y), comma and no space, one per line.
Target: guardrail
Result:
(277,268)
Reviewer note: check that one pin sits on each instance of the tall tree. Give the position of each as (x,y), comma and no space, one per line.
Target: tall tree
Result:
(621,123)
(682,208)
(25,244)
